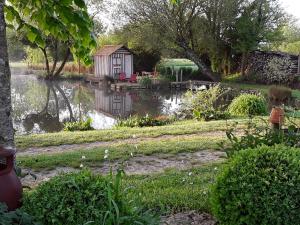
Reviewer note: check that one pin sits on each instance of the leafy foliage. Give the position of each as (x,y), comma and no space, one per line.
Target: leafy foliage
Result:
(145,121)
(145,81)
(257,135)
(259,186)
(52,25)
(248,105)
(204,105)
(84,198)
(79,126)
(17,217)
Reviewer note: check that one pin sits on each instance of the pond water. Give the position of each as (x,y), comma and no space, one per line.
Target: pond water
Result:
(43,107)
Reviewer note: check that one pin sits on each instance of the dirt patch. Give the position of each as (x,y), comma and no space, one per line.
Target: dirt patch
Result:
(139,165)
(189,218)
(89,146)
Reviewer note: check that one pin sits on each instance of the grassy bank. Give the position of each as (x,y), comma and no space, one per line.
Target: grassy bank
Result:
(95,157)
(262,88)
(178,128)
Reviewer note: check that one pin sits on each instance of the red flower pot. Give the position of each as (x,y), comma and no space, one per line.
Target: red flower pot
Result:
(10,185)
(277,116)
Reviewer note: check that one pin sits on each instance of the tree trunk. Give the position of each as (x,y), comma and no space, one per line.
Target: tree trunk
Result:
(193,56)
(244,63)
(6,125)
(57,73)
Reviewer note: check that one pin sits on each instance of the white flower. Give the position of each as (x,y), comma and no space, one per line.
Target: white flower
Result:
(106,151)
(190,173)
(134,136)
(131,154)
(191,183)
(83,157)
(106,157)
(81,165)
(204,192)
(216,168)
(136,146)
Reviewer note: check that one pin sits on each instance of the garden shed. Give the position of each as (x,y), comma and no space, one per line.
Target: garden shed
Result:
(111,60)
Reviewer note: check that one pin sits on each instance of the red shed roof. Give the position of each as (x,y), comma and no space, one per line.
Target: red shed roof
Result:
(110,49)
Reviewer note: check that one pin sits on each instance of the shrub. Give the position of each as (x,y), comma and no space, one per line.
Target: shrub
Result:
(79,126)
(17,217)
(260,135)
(145,81)
(205,104)
(145,121)
(84,198)
(279,94)
(248,105)
(259,186)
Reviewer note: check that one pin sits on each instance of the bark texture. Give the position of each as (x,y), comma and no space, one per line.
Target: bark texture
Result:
(6,125)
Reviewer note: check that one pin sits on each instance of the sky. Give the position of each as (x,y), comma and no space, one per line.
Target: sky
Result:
(292,7)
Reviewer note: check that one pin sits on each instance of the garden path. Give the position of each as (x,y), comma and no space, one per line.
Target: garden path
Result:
(89,146)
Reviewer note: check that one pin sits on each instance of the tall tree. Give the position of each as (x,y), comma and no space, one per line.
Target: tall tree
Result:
(6,126)
(174,22)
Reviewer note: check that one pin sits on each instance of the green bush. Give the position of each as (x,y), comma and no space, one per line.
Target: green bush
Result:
(256,135)
(83,198)
(248,105)
(17,217)
(79,126)
(204,104)
(259,186)
(145,121)
(145,81)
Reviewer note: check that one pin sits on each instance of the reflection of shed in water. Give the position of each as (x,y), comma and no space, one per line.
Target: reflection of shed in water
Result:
(114,104)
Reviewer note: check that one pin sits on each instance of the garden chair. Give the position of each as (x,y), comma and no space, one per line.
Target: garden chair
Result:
(122,77)
(133,78)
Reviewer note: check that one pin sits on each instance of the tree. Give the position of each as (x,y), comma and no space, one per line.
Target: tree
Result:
(174,22)
(49,25)
(6,126)
(260,22)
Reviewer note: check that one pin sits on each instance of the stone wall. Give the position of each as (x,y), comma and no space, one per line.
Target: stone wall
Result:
(271,67)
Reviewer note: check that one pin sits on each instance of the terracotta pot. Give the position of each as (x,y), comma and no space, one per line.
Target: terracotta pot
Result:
(10,185)
(277,116)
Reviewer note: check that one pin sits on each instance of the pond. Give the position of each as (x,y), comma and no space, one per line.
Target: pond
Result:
(43,107)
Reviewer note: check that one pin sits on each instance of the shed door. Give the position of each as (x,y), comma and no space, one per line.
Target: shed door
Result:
(128,66)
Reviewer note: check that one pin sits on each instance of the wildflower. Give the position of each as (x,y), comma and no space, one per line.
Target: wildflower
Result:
(134,136)
(131,154)
(136,147)
(106,151)
(190,173)
(216,168)
(81,165)
(83,157)
(106,157)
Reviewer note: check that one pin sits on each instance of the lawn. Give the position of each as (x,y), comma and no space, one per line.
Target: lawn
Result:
(174,190)
(178,128)
(95,157)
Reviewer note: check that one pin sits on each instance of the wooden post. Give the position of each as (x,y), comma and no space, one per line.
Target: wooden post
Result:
(181,73)
(299,64)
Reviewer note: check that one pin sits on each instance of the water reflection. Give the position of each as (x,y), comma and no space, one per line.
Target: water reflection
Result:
(41,106)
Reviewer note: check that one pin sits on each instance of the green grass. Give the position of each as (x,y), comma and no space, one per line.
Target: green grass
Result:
(262,88)
(178,128)
(95,157)
(175,191)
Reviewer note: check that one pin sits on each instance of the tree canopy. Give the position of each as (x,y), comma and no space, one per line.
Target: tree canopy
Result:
(49,24)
